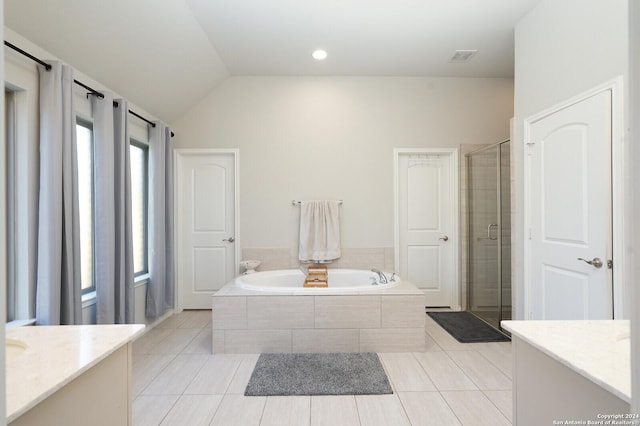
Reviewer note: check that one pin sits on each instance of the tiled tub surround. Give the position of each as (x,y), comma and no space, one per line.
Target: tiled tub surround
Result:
(391,320)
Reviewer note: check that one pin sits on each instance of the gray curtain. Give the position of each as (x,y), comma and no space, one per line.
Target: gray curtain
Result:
(58,293)
(113,246)
(124,273)
(160,290)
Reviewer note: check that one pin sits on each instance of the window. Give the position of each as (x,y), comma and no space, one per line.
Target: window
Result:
(86,202)
(139,190)
(10,138)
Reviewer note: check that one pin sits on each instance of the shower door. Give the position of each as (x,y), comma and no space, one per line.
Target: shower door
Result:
(489,233)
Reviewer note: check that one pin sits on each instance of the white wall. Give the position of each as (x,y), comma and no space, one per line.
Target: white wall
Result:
(565,47)
(333,138)
(3,246)
(634,142)
(562,48)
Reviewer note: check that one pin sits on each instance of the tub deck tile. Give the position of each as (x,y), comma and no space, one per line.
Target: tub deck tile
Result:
(392,340)
(229,313)
(347,311)
(325,341)
(257,341)
(279,312)
(403,311)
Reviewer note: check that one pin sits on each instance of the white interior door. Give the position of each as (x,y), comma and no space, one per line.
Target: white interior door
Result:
(426,225)
(206,223)
(570,212)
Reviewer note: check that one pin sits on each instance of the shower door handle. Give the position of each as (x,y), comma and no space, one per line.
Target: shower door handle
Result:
(491,225)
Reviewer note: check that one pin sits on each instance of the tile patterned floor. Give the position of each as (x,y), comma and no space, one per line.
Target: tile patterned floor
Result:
(177,381)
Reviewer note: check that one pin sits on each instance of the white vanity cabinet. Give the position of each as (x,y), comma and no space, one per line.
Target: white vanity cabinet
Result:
(71,375)
(567,371)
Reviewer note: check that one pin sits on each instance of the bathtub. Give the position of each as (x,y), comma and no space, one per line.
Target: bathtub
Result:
(271,311)
(291,280)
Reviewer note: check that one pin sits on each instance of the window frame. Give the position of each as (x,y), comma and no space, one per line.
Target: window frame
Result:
(144,146)
(11,206)
(88,124)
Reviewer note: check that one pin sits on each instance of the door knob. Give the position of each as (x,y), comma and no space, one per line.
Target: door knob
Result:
(596,262)
(445,238)
(230,239)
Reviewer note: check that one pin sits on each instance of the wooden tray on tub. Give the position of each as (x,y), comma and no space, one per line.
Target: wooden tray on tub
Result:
(317,277)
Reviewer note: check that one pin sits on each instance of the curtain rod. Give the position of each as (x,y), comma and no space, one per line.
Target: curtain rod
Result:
(79,83)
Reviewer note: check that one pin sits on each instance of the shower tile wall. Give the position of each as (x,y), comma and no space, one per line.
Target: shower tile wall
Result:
(270,258)
(273,258)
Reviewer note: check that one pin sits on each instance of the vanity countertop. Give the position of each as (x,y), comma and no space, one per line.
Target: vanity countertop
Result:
(598,350)
(55,355)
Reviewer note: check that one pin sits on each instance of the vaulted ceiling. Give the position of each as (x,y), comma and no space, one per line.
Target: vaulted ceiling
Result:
(166,55)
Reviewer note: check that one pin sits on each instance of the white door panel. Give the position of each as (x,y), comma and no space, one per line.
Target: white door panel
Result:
(562,284)
(570,199)
(205,201)
(209,211)
(423,197)
(423,266)
(426,248)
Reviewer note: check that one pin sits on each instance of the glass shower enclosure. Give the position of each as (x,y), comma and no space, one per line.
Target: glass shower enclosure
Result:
(489,233)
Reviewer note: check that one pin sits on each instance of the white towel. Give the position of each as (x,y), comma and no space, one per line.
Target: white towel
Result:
(319,231)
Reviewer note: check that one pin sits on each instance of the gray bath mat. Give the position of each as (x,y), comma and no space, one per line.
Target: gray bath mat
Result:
(467,328)
(318,374)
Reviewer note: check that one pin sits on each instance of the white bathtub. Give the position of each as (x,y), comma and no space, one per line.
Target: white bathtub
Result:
(288,280)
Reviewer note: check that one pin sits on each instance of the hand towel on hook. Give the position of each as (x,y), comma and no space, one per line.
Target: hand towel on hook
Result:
(319,231)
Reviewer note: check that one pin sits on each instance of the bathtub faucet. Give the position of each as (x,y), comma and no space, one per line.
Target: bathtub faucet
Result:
(382,277)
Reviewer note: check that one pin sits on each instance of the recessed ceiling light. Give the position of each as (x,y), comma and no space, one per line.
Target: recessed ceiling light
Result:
(319,54)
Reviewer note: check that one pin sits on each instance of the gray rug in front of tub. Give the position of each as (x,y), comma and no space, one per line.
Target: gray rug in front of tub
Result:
(467,328)
(318,374)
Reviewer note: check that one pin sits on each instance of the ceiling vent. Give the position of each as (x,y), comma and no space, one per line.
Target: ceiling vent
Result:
(463,55)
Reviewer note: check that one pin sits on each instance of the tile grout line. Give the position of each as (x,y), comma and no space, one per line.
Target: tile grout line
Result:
(226,389)
(194,377)
(462,370)
(451,408)
(439,391)
(493,403)
(175,356)
(216,410)
(168,411)
(404,409)
(386,372)
(355,401)
(493,363)
(141,393)
(264,407)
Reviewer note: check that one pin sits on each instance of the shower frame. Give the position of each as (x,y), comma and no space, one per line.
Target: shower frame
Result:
(499,235)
